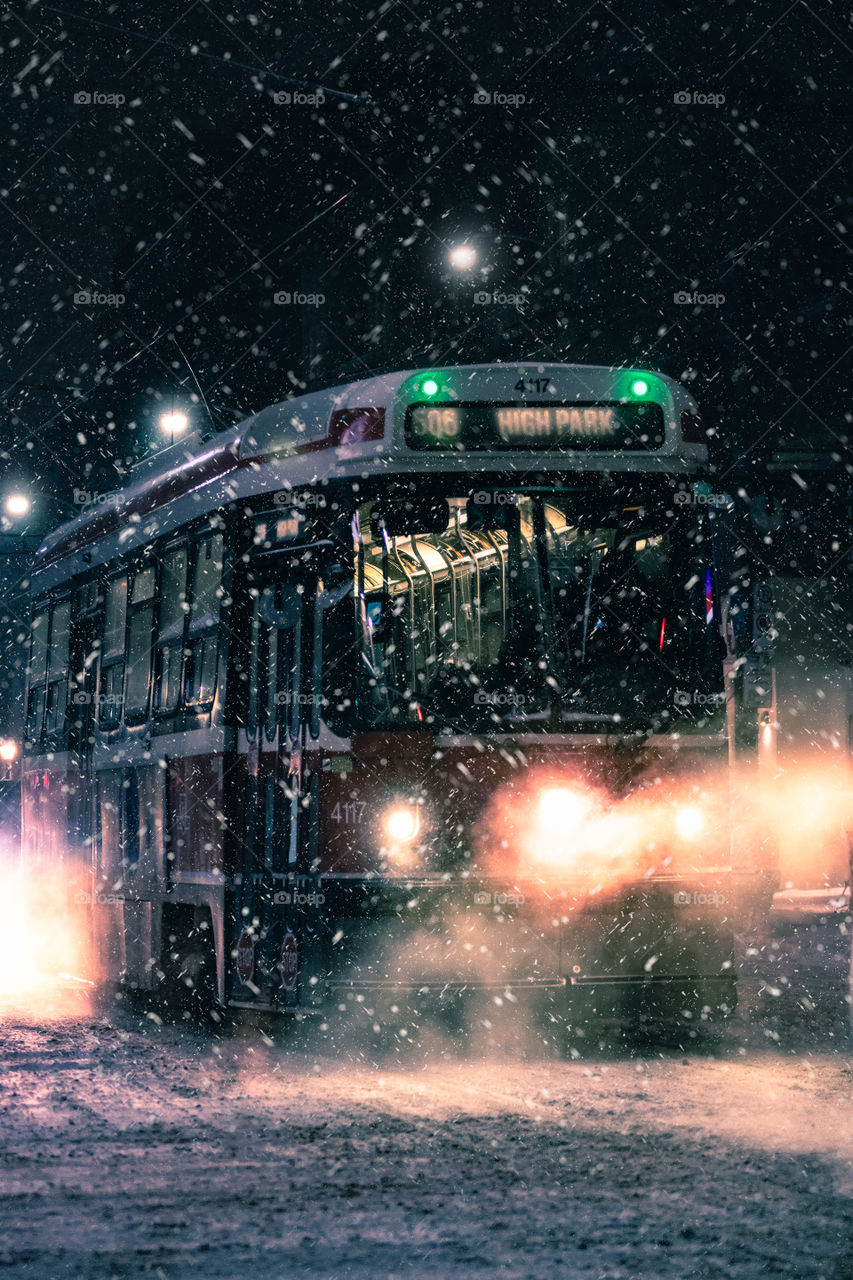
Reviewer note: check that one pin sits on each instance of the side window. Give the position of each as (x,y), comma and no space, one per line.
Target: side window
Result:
(112,651)
(37,673)
(202,641)
(140,625)
(170,630)
(57,667)
(87,597)
(87,642)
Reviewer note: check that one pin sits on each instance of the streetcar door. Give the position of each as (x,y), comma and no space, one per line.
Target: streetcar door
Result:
(281,616)
(275,847)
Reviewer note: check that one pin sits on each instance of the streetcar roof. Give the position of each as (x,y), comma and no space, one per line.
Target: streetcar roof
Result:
(352,429)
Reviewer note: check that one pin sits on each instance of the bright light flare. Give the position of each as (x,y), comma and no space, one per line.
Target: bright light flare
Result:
(580,836)
(17,505)
(43,935)
(8,751)
(401,829)
(563,812)
(402,824)
(795,824)
(174,423)
(462,257)
(801,813)
(690,822)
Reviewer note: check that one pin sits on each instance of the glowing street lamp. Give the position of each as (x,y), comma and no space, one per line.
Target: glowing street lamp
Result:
(462,257)
(8,751)
(17,505)
(174,423)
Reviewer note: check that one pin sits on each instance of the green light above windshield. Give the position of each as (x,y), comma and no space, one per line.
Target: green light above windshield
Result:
(633,385)
(430,387)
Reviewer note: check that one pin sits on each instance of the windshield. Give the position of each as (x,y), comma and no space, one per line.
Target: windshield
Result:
(583,608)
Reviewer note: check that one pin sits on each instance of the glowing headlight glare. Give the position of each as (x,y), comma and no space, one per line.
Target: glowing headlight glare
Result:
(690,822)
(402,823)
(561,811)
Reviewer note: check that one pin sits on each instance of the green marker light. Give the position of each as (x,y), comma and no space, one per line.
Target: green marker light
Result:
(430,387)
(640,387)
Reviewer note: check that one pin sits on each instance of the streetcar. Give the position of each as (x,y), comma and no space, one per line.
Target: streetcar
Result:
(410,690)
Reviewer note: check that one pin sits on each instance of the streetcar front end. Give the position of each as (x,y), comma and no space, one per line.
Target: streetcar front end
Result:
(517,778)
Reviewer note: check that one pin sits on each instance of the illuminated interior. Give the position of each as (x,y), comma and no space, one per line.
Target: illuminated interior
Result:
(509,607)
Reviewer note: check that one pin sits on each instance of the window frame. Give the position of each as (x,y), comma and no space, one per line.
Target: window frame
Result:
(173,545)
(111,685)
(106,662)
(196,633)
(58,726)
(148,562)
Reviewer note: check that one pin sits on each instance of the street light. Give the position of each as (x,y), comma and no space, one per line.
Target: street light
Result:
(28,512)
(17,505)
(174,422)
(462,257)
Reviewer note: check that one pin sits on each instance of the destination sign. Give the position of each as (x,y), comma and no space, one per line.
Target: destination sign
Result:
(535,426)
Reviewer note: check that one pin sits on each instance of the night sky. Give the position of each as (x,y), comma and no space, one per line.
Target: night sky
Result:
(171,170)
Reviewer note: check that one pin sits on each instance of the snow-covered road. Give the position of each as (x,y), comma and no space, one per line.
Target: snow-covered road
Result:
(133,1148)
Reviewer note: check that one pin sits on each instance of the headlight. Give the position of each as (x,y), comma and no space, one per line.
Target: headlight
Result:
(562,812)
(402,824)
(401,828)
(690,822)
(560,829)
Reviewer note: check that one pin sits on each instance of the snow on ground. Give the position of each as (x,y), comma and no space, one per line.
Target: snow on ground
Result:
(136,1148)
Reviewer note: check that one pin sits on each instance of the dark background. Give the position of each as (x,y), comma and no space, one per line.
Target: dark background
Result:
(598,197)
